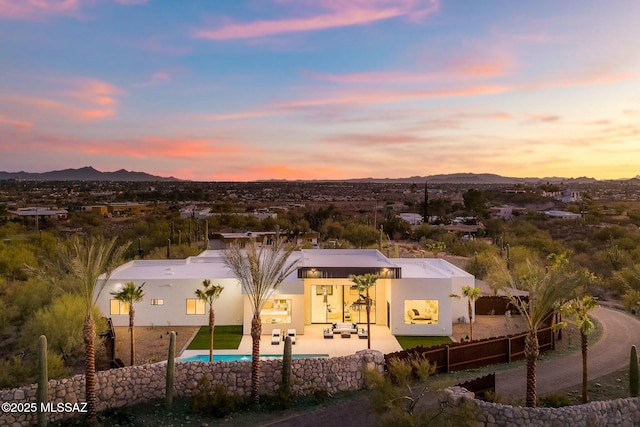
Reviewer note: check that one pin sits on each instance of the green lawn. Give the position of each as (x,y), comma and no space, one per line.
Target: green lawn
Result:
(408,342)
(224,338)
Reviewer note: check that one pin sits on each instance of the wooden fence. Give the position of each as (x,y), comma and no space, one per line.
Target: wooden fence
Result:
(476,354)
(495,305)
(481,386)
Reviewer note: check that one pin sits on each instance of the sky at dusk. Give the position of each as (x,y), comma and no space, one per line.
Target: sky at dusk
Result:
(242,90)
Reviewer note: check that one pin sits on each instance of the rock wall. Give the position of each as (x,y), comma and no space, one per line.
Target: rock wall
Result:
(137,384)
(614,413)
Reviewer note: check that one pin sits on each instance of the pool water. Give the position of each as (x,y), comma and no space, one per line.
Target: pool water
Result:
(247,357)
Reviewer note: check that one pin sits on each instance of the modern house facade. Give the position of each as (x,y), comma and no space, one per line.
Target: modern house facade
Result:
(411,296)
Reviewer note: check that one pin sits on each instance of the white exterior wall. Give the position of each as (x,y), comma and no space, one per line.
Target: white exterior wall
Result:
(427,289)
(228,308)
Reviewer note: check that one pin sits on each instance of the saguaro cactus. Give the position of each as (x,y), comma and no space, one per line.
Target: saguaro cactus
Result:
(171,366)
(43,380)
(286,366)
(633,372)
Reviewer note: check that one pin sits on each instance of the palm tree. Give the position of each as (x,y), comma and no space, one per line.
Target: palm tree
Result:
(548,288)
(578,310)
(363,283)
(129,295)
(83,267)
(471,294)
(209,293)
(260,270)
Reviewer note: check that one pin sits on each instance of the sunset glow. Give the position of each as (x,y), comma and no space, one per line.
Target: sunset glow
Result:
(321,89)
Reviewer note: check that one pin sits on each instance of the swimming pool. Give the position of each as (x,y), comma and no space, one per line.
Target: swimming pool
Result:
(247,357)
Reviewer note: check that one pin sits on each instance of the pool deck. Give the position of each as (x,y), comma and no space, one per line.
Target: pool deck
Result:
(313,342)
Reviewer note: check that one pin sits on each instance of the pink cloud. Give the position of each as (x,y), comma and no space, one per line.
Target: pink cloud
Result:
(157,78)
(80,98)
(377,139)
(132,2)
(37,9)
(342,14)
(381,97)
(20,124)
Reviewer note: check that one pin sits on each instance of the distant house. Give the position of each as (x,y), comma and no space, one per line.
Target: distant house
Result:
(566,196)
(411,218)
(562,215)
(128,208)
(37,212)
(411,296)
(505,211)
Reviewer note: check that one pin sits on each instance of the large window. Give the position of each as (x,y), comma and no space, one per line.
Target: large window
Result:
(421,311)
(119,307)
(276,311)
(195,306)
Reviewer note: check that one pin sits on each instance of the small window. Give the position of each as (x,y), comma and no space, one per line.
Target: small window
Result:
(157,302)
(195,306)
(119,307)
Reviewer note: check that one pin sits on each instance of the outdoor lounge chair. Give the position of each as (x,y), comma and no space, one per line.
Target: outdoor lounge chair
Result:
(275,336)
(328,334)
(291,333)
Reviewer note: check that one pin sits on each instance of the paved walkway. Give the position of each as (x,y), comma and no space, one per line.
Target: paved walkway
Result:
(609,354)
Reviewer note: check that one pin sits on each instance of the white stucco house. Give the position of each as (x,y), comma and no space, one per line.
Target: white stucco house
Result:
(411,296)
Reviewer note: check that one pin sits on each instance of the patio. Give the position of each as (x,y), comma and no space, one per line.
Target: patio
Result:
(313,342)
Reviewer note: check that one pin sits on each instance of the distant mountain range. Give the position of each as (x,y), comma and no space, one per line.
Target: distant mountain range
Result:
(90,174)
(84,174)
(480,178)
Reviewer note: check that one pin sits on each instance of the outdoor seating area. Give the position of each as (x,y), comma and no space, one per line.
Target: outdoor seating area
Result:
(327,333)
(348,328)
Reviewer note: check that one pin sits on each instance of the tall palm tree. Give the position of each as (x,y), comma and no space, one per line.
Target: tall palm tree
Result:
(547,289)
(471,294)
(83,267)
(129,295)
(209,293)
(260,270)
(363,283)
(578,311)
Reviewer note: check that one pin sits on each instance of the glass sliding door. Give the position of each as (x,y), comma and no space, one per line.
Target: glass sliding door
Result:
(337,303)
(355,305)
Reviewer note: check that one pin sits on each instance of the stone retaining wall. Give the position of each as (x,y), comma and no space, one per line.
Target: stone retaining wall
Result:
(614,413)
(137,384)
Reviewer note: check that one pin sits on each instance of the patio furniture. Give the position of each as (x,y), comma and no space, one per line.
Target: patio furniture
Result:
(363,334)
(291,333)
(275,336)
(328,334)
(345,334)
(349,328)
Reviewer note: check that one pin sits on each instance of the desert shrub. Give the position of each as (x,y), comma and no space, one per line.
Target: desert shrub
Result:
(17,371)
(395,397)
(554,400)
(213,399)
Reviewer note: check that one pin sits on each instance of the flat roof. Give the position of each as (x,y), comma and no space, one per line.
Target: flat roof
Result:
(210,264)
(344,258)
(428,267)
